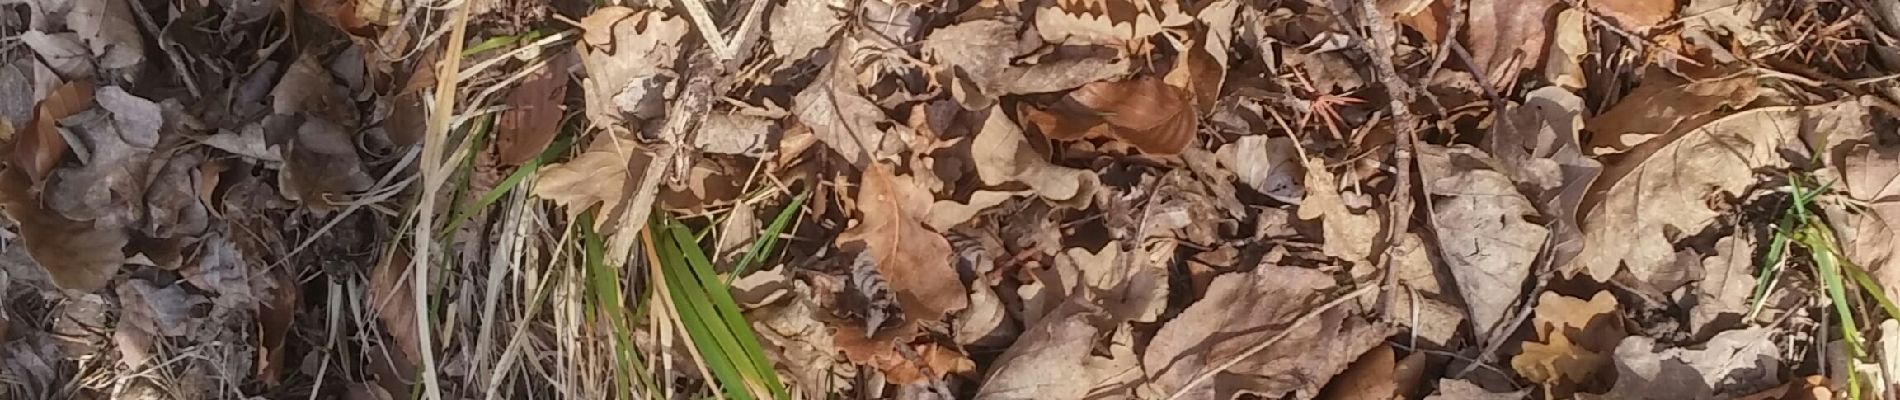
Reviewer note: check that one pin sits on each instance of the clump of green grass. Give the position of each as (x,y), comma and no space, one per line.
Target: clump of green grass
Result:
(718,331)
(1801,226)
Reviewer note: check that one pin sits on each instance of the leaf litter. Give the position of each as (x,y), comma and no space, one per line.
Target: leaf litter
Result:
(1033,199)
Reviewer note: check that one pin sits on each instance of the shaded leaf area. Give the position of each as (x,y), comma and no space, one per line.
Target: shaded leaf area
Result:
(1039,199)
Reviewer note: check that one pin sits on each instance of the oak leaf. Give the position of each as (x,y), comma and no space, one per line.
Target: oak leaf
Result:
(914,260)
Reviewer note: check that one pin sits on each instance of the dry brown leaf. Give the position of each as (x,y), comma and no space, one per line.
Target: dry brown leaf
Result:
(914,260)
(275,319)
(38,147)
(1727,282)
(1269,165)
(392,298)
(1871,172)
(802,26)
(1243,309)
(1635,15)
(1716,27)
(1734,363)
(628,55)
(1056,358)
(1513,38)
(600,175)
(308,87)
(1563,64)
(1454,389)
(1347,235)
(527,128)
(1665,105)
(62,52)
(1002,156)
(946,214)
(110,32)
(849,123)
(1661,193)
(1123,24)
(1484,230)
(1371,377)
(321,162)
(789,322)
(1573,338)
(879,352)
(1145,112)
(1537,143)
(164,311)
(77,255)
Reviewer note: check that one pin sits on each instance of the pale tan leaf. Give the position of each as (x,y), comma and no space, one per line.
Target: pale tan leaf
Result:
(1055,358)
(1513,38)
(1537,143)
(1002,155)
(1635,15)
(1348,235)
(1734,363)
(1269,165)
(600,175)
(1660,193)
(914,260)
(1484,230)
(1454,389)
(1573,338)
(847,122)
(628,55)
(110,31)
(801,26)
(1871,172)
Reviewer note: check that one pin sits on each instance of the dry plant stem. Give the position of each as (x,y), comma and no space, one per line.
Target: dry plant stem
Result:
(433,176)
(1262,346)
(1379,47)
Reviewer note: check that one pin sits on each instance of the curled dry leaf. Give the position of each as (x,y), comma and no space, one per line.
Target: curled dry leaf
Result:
(320,162)
(38,147)
(914,260)
(1002,156)
(1484,230)
(535,117)
(1661,193)
(1243,309)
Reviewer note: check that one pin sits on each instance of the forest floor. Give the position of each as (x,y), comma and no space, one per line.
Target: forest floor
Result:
(1001,199)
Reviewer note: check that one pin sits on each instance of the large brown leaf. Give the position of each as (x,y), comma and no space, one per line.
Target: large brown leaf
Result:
(1508,36)
(77,254)
(1484,230)
(527,128)
(1146,112)
(1660,192)
(914,260)
(1243,309)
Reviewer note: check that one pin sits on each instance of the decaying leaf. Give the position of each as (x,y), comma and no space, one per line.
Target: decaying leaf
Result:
(110,32)
(1635,15)
(160,310)
(1243,309)
(37,147)
(1734,363)
(392,298)
(524,130)
(1377,375)
(801,26)
(912,258)
(1002,155)
(77,255)
(1454,389)
(1574,338)
(321,162)
(1728,280)
(1483,231)
(1661,193)
(787,319)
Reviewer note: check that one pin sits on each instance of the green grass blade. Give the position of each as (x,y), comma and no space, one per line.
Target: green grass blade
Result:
(727,311)
(695,314)
(604,282)
(768,240)
(514,179)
